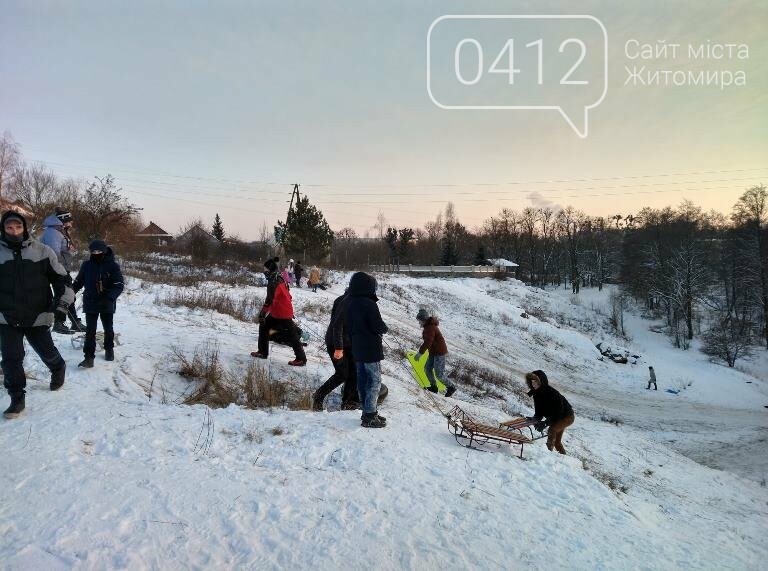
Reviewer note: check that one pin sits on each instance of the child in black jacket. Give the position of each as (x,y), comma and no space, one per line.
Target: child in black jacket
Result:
(102,281)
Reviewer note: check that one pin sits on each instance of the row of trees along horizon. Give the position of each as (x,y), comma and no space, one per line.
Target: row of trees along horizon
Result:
(704,273)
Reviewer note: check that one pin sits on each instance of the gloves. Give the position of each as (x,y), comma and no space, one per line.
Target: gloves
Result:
(262,317)
(531,419)
(540,426)
(338,354)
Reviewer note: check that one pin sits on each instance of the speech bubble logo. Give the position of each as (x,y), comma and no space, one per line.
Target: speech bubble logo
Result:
(519,62)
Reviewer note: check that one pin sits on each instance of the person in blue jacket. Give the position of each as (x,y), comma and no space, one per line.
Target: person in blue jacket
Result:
(101,280)
(57,237)
(365,327)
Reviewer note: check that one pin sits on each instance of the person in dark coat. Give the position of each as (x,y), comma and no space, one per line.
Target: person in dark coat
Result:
(101,280)
(29,270)
(339,348)
(277,315)
(434,342)
(550,409)
(365,327)
(298,271)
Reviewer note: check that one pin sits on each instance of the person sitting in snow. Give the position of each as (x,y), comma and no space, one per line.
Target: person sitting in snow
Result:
(550,409)
(277,315)
(101,280)
(434,342)
(363,322)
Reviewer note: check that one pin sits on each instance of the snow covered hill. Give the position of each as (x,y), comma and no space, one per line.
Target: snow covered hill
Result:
(111,472)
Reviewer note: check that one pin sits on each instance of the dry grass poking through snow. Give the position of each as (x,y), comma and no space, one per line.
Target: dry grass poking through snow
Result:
(485,381)
(245,309)
(250,388)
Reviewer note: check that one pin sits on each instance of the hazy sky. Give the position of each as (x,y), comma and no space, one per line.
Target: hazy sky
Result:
(204,107)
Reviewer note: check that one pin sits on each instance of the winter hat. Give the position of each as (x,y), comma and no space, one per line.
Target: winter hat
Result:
(63,214)
(422,315)
(13,215)
(271,264)
(99,245)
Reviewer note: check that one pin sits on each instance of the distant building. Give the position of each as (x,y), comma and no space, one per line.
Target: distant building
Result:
(196,233)
(502,265)
(154,236)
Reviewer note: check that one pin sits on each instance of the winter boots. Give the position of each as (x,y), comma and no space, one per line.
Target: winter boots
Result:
(109,355)
(17,406)
(61,327)
(373,420)
(57,378)
(448,392)
(297,363)
(258,355)
(86,363)
(77,326)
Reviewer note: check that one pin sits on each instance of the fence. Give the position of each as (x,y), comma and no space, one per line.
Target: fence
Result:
(451,270)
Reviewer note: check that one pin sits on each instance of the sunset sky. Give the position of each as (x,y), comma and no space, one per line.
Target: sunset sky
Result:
(202,107)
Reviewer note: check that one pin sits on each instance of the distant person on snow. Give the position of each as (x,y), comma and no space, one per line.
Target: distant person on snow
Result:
(434,342)
(101,280)
(652,379)
(550,409)
(28,271)
(298,272)
(277,315)
(56,236)
(363,321)
(315,281)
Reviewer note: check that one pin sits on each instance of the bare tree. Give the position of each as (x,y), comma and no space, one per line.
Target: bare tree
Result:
(103,207)
(9,161)
(751,212)
(37,188)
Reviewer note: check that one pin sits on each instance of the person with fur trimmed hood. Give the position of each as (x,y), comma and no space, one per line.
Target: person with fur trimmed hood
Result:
(277,315)
(434,342)
(33,286)
(550,409)
(101,280)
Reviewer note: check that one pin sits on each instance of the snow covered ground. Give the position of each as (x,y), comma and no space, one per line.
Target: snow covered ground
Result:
(112,473)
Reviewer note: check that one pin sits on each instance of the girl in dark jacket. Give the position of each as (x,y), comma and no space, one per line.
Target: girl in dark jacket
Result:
(101,280)
(550,405)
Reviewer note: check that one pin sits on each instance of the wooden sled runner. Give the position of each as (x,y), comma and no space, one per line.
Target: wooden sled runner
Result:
(465,428)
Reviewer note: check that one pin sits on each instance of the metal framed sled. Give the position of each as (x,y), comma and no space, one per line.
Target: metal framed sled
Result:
(465,428)
(78,340)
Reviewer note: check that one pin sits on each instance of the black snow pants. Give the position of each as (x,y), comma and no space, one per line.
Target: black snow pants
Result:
(12,348)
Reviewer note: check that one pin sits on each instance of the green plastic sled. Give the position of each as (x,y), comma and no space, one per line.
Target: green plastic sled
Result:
(418,370)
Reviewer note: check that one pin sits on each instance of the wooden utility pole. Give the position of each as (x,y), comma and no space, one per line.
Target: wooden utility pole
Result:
(296,194)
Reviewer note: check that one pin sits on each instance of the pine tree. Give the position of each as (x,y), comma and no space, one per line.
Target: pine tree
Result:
(218,228)
(305,232)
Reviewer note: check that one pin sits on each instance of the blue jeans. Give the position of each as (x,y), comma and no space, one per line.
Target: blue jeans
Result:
(368,383)
(435,369)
